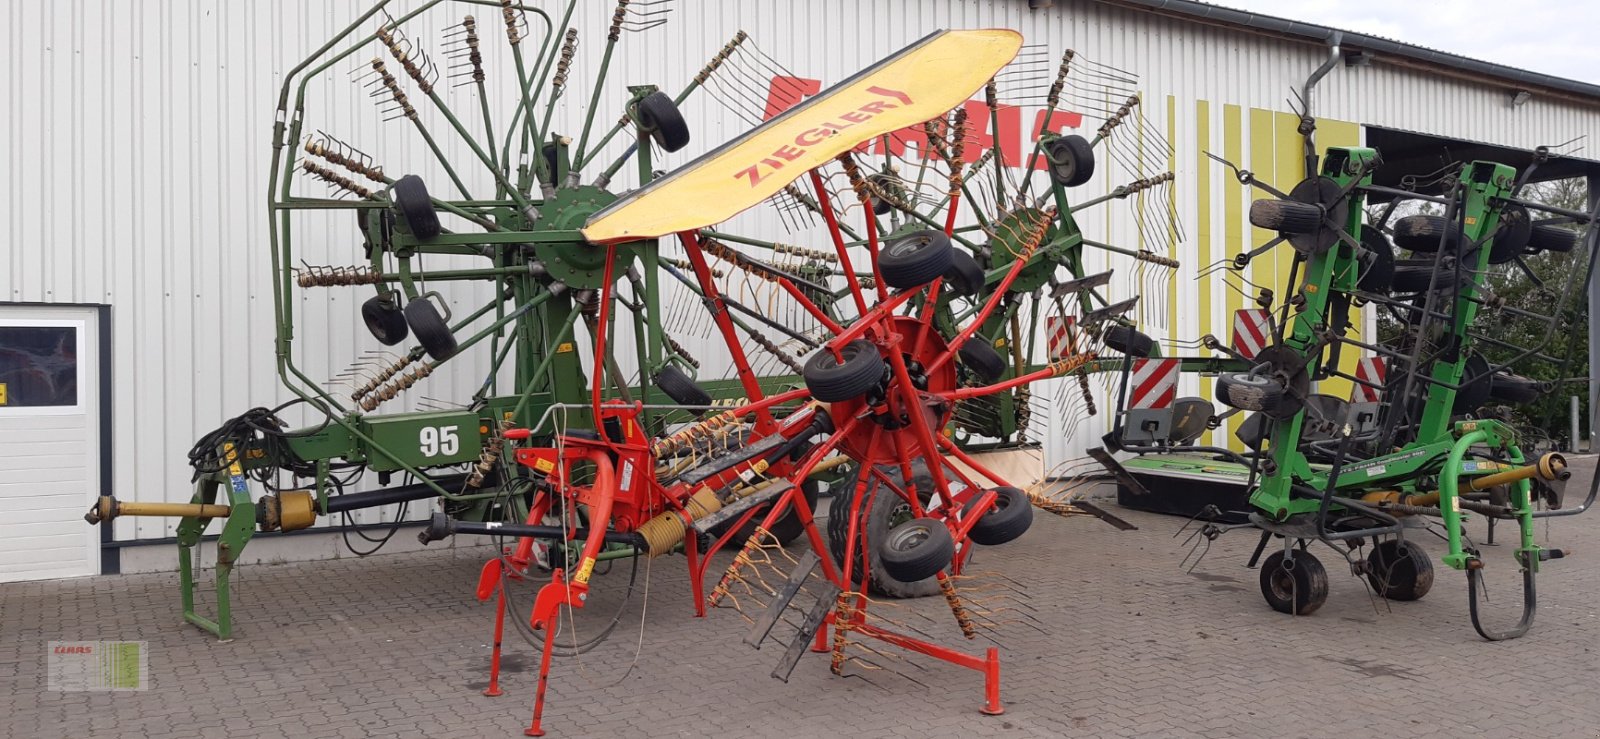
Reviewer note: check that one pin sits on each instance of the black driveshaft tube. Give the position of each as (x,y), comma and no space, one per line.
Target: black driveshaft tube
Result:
(396,494)
(442,526)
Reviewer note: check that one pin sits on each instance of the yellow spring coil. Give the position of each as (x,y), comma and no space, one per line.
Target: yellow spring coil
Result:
(666,531)
(963,618)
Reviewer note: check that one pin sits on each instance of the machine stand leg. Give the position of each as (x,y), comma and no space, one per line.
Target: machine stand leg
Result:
(224,599)
(991,684)
(691,549)
(494,658)
(820,645)
(534,729)
(1261,546)
(186,579)
(1491,542)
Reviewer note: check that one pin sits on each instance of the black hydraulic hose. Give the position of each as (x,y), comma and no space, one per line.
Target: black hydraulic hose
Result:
(386,496)
(441,526)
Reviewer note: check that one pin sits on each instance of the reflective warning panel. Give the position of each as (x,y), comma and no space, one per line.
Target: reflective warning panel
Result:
(920,82)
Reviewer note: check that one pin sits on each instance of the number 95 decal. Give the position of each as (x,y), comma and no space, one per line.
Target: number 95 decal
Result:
(435,441)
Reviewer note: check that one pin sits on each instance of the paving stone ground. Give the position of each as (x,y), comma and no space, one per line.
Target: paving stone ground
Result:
(1109,637)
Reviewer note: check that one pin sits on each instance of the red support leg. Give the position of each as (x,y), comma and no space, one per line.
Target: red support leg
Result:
(691,549)
(820,644)
(534,729)
(499,633)
(991,684)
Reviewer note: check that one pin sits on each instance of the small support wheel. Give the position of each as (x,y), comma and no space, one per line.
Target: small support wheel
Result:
(886,183)
(915,259)
(1423,233)
(916,550)
(1008,519)
(1249,392)
(1128,340)
(1510,388)
(430,329)
(857,370)
(416,209)
(1071,160)
(1297,586)
(680,388)
(1547,237)
(1399,570)
(1377,263)
(660,116)
(384,318)
(980,357)
(965,277)
(1286,216)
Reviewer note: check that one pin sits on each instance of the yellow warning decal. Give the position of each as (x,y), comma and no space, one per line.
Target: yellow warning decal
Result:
(233,460)
(2,393)
(564,348)
(544,465)
(584,571)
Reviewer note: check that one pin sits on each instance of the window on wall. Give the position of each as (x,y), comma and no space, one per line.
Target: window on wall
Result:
(38,366)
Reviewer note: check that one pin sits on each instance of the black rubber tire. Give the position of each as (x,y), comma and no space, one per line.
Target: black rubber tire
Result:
(1071,160)
(1476,384)
(679,387)
(385,320)
(1128,340)
(661,117)
(886,508)
(1509,388)
(1285,216)
(915,259)
(1547,237)
(430,329)
(1249,392)
(1414,275)
(1399,570)
(965,276)
(916,550)
(977,355)
(548,151)
(1377,269)
(1511,238)
(832,381)
(1421,233)
(1007,519)
(1298,591)
(411,201)
(887,183)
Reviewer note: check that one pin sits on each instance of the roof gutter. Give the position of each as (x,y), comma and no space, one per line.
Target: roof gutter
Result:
(1322,34)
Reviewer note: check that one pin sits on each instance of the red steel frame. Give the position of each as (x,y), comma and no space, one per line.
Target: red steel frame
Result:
(859,434)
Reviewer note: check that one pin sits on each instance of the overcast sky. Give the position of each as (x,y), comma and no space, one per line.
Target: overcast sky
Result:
(1558,37)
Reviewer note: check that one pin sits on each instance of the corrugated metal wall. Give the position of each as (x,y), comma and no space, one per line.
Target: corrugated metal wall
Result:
(137,151)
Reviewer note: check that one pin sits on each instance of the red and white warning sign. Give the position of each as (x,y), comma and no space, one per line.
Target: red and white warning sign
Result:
(1368,369)
(1252,329)
(1063,333)
(1153,383)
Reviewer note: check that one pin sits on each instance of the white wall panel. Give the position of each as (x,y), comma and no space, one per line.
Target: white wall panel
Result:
(136,148)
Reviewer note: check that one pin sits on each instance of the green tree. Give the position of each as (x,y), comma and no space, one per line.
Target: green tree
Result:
(1567,341)
(1564,346)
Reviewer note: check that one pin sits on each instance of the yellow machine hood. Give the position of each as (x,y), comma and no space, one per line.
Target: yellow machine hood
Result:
(920,82)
